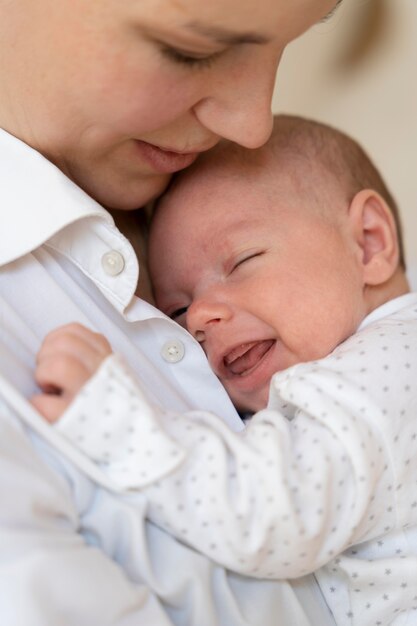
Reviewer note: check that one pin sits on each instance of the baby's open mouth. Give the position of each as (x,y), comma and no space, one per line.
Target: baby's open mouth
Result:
(243,359)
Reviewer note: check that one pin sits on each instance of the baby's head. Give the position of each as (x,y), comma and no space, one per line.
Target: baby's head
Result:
(274,256)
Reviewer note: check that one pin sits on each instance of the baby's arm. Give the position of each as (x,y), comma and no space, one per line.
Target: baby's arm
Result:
(277,501)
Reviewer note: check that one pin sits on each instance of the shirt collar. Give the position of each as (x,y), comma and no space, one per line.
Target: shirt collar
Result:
(36,194)
(389,308)
(54,210)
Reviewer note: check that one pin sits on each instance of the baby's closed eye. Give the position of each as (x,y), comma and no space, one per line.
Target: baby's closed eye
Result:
(177,313)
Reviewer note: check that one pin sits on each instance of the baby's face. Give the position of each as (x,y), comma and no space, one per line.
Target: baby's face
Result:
(260,279)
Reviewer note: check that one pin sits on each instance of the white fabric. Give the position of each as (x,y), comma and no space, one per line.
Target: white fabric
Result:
(325,477)
(71,552)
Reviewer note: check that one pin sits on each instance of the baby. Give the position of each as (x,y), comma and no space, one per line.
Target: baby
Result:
(286,265)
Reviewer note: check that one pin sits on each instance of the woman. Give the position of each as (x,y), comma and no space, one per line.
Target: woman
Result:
(101,77)
(102,100)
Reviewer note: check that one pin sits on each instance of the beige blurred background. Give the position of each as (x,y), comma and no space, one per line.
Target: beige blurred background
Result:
(358,71)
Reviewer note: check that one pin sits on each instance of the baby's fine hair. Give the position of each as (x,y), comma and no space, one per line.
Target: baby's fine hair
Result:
(304,144)
(339,154)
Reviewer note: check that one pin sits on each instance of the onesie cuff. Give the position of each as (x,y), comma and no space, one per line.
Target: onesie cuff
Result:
(112,422)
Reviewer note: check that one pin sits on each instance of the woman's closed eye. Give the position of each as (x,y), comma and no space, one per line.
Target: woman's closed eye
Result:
(190,59)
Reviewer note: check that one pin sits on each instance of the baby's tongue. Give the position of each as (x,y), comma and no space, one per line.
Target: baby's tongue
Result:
(245,357)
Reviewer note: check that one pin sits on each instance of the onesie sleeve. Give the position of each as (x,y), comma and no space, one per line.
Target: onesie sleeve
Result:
(306,479)
(112,422)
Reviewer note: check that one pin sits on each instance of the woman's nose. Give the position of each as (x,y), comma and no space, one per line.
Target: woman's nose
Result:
(202,315)
(239,108)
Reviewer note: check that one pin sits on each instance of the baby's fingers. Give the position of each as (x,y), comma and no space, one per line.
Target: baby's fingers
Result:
(50,407)
(68,357)
(65,336)
(77,342)
(63,373)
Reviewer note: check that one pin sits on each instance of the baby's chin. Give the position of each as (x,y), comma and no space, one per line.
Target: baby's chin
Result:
(250,403)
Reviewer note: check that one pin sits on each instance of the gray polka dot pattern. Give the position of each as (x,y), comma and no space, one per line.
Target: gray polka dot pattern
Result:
(112,421)
(324,478)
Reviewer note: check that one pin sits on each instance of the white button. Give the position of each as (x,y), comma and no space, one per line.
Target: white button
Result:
(113,263)
(173,351)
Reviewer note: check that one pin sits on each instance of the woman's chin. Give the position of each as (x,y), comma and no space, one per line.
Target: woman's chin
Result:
(131,196)
(116,191)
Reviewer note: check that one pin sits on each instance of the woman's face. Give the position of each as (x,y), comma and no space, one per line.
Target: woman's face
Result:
(121,94)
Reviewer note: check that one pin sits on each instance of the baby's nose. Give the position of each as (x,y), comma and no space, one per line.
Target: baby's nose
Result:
(203,314)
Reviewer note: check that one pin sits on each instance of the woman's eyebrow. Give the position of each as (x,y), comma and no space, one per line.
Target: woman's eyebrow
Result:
(227,37)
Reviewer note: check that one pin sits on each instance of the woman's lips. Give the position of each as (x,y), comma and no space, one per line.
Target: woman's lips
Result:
(165,161)
(245,358)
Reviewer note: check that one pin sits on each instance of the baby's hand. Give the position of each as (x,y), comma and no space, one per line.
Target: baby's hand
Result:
(68,358)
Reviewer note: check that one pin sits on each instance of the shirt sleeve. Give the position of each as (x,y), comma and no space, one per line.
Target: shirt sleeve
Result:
(305,480)
(48,574)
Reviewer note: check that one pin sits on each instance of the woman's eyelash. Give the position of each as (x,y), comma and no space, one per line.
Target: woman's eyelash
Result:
(187,59)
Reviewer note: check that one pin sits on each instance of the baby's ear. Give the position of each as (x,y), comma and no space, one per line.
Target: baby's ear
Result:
(376,235)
